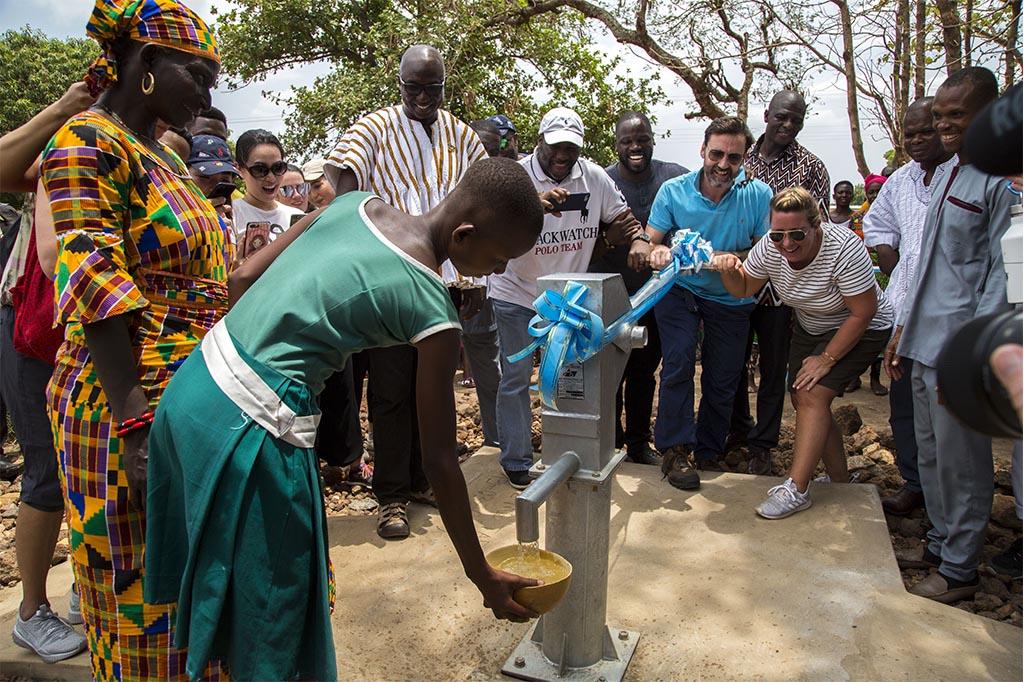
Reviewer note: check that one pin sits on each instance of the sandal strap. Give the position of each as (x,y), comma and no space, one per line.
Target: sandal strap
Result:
(390,512)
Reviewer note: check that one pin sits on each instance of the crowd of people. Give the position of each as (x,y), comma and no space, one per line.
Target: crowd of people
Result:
(186,332)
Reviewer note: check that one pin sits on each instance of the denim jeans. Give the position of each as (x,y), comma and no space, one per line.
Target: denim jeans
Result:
(480,341)
(679,316)
(514,416)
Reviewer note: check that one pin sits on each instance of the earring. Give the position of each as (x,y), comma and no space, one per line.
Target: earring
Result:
(148,89)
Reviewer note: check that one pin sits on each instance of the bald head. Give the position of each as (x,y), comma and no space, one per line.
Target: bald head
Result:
(784,119)
(788,99)
(421,76)
(420,57)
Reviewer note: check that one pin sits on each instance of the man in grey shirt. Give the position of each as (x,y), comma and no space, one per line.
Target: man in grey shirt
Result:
(960,276)
(638,176)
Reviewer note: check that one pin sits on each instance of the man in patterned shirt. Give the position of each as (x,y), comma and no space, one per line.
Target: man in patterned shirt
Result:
(780,162)
(411,155)
(893,227)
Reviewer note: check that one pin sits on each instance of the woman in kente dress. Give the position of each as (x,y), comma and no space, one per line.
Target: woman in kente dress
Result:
(140,277)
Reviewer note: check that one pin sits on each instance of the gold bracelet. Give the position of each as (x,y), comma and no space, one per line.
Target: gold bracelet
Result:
(825,354)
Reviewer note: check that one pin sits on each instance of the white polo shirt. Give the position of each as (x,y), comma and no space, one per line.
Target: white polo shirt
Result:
(565,244)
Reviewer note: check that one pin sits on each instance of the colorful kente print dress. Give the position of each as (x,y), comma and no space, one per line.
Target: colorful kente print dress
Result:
(135,237)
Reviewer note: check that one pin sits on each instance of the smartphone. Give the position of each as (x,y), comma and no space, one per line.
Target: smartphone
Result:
(296,217)
(223,190)
(574,202)
(257,235)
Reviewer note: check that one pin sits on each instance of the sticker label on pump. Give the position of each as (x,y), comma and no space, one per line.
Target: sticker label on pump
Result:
(570,383)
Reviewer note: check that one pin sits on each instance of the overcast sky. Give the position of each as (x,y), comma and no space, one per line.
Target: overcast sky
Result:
(826,131)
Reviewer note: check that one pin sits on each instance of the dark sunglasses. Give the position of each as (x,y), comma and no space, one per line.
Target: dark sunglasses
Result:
(260,169)
(795,235)
(717,155)
(288,191)
(415,89)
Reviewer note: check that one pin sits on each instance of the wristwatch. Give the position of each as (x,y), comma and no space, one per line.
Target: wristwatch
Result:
(643,236)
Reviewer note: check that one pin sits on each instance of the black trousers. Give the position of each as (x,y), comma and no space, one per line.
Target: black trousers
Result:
(636,390)
(397,458)
(772,325)
(339,438)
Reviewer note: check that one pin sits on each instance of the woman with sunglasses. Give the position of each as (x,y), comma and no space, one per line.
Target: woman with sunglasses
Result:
(259,217)
(294,190)
(842,322)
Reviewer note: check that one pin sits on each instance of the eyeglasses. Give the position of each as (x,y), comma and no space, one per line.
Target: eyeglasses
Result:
(717,155)
(415,89)
(288,191)
(796,235)
(261,170)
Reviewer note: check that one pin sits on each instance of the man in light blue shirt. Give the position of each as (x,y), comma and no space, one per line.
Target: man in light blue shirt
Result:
(730,211)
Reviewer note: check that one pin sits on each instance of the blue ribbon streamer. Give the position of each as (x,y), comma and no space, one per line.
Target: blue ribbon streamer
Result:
(568,333)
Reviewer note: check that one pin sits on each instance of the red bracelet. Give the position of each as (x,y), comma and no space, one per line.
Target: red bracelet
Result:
(134,423)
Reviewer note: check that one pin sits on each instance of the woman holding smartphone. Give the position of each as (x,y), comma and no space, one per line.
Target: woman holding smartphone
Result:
(259,217)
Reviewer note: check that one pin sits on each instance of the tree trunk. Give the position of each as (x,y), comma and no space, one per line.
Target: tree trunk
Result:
(901,78)
(950,35)
(850,71)
(1011,43)
(920,12)
(968,18)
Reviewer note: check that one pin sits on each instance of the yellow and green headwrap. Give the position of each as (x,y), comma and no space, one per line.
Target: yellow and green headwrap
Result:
(165,22)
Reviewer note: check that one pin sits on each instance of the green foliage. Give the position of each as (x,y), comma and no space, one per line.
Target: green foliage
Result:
(35,70)
(520,71)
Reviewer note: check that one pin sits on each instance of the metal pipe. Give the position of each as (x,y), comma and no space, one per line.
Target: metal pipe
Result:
(529,501)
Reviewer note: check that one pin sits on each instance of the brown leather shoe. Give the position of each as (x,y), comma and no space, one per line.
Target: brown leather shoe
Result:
(903,502)
(676,467)
(917,557)
(392,521)
(939,588)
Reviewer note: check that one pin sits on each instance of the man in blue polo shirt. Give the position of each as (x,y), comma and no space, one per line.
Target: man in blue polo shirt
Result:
(730,211)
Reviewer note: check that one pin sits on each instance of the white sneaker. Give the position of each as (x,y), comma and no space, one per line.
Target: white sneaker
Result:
(48,635)
(75,607)
(784,500)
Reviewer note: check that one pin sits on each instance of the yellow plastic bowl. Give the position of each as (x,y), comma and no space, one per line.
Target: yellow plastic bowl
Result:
(542,598)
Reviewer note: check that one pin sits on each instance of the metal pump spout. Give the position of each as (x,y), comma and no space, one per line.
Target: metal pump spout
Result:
(529,501)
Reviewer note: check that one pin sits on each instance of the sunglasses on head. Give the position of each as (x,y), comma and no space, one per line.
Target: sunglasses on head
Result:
(414,89)
(288,191)
(261,170)
(796,235)
(717,155)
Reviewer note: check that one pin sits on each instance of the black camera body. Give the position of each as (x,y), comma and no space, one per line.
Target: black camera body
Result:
(970,389)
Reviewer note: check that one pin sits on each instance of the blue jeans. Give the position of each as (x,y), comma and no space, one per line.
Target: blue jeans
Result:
(514,416)
(679,315)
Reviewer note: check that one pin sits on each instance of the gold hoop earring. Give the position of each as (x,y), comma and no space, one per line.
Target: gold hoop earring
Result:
(148,89)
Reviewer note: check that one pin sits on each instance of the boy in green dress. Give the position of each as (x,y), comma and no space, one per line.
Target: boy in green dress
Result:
(236,529)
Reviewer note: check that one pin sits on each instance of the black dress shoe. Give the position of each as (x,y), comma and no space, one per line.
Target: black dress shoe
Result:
(644,454)
(903,502)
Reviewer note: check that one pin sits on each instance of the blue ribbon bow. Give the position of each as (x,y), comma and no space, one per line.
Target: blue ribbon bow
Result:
(568,333)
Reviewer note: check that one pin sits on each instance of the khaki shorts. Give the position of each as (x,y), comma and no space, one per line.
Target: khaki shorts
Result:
(804,344)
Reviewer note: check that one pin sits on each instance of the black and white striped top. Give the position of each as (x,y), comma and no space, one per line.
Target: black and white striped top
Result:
(815,292)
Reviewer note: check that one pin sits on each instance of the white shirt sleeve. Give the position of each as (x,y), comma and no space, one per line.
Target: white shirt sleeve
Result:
(854,272)
(756,265)
(881,226)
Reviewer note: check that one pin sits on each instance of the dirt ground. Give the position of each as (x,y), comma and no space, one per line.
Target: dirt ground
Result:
(869,457)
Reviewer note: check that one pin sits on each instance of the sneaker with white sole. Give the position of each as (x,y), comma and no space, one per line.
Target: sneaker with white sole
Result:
(48,635)
(75,608)
(784,500)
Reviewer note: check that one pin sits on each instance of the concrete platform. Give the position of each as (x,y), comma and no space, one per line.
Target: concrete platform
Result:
(716,592)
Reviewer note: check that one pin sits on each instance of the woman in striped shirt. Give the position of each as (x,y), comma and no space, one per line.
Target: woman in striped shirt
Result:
(824,273)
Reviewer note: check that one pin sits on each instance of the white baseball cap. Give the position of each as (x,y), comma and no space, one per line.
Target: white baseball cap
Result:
(313,170)
(562,125)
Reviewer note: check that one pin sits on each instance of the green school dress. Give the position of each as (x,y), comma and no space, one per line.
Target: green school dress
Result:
(236,530)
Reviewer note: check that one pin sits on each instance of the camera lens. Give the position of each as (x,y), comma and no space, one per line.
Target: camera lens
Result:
(970,389)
